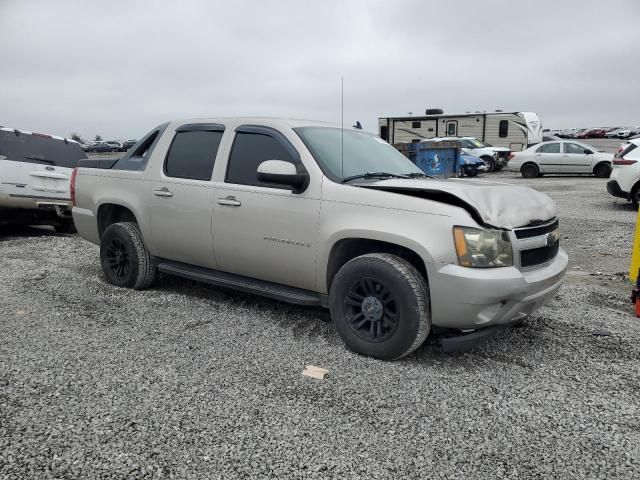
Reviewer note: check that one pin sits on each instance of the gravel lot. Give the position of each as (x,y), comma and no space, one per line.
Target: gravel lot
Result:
(190,381)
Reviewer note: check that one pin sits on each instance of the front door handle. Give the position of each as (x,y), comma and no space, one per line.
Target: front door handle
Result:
(230,201)
(162,192)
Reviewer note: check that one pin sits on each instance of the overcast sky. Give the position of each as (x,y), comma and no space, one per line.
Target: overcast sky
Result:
(120,68)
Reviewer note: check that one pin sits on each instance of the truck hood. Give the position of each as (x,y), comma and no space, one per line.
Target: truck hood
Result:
(494,204)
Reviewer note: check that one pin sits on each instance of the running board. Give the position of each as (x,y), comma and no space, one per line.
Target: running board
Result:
(237,282)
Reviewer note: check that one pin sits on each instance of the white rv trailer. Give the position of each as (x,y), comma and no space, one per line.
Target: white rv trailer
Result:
(513,130)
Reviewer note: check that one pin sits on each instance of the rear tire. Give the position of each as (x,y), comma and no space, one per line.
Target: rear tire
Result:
(380,306)
(602,170)
(65,226)
(125,260)
(530,170)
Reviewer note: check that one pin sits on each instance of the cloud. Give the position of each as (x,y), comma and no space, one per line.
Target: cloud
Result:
(119,68)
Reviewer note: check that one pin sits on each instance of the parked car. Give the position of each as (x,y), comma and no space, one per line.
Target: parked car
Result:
(309,213)
(560,157)
(618,133)
(470,166)
(127,144)
(34,171)
(593,133)
(625,177)
(579,133)
(495,158)
(116,145)
(550,138)
(103,147)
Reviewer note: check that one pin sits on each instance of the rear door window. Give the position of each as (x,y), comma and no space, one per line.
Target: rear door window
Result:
(40,149)
(192,154)
(250,150)
(574,148)
(549,148)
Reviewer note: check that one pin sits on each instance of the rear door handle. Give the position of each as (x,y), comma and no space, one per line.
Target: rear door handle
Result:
(229,201)
(162,192)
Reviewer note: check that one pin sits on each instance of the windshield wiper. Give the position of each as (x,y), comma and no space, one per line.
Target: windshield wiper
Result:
(373,175)
(418,175)
(44,160)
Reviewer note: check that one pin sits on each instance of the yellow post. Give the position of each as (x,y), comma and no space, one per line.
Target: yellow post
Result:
(635,255)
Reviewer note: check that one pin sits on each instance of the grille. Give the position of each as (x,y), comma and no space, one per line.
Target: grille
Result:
(537,256)
(536,231)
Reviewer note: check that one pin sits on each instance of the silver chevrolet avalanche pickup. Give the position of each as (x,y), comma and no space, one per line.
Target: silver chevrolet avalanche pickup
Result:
(313,214)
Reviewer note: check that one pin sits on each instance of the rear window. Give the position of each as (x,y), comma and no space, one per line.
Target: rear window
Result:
(23,147)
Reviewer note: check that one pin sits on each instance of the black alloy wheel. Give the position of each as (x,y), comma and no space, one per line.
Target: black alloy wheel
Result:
(125,260)
(372,310)
(118,259)
(380,306)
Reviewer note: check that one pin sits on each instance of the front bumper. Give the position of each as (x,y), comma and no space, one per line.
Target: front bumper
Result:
(473,298)
(613,187)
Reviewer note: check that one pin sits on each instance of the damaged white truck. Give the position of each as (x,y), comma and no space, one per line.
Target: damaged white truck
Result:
(313,214)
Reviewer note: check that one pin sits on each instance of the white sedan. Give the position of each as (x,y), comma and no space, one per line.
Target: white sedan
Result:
(560,157)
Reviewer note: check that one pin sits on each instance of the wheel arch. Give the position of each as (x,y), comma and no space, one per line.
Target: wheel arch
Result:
(110,213)
(348,248)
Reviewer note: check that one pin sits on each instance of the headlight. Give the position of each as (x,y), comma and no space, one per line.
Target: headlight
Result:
(482,248)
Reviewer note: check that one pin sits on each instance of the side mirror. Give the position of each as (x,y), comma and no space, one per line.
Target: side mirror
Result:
(588,152)
(284,173)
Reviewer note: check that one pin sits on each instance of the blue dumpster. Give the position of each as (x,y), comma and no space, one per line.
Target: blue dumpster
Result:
(438,159)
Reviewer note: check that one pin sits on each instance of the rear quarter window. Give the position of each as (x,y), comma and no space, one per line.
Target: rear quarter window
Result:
(24,147)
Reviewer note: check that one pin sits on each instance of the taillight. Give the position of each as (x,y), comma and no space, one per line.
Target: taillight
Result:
(623,161)
(72,186)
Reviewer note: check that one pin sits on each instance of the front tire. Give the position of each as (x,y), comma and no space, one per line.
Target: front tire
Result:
(125,260)
(490,163)
(380,305)
(530,170)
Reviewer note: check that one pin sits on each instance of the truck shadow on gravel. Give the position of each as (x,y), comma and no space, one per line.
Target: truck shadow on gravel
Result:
(617,205)
(303,322)
(11,232)
(309,323)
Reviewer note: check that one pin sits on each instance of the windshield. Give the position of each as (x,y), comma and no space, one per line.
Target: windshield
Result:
(363,152)
(477,143)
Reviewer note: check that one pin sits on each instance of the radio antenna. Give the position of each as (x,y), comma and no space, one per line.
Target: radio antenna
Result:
(342,127)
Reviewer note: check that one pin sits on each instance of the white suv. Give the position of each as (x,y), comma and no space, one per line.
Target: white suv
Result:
(35,169)
(625,178)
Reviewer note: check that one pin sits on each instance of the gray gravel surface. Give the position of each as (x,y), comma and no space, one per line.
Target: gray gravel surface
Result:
(189,381)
